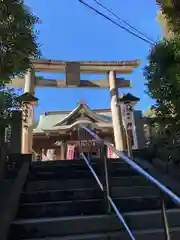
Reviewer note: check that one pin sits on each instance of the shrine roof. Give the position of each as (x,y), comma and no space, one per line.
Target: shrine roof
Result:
(57,120)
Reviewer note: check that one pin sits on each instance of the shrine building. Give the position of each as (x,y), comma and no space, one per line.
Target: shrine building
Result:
(58,130)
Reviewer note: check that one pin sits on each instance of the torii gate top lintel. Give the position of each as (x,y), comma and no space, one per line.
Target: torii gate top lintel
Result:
(73,72)
(44,65)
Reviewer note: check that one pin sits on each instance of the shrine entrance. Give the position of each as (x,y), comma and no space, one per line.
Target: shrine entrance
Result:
(73,79)
(90,148)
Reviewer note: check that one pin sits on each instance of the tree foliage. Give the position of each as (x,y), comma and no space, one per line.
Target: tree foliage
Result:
(17,38)
(18,45)
(150,113)
(163,70)
(171,11)
(162,75)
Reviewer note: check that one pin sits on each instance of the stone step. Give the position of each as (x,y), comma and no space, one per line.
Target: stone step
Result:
(83,183)
(87,193)
(61,195)
(64,167)
(73,162)
(69,225)
(39,228)
(78,174)
(148,234)
(62,200)
(88,207)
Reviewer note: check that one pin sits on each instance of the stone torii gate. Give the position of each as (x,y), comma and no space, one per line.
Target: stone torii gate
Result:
(72,79)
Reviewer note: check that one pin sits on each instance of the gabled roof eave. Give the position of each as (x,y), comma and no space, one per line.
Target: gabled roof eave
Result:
(86,109)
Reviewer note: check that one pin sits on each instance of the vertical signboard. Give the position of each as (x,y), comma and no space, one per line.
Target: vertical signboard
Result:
(129,123)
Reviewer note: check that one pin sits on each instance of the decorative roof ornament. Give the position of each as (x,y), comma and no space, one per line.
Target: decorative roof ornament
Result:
(82,111)
(82,101)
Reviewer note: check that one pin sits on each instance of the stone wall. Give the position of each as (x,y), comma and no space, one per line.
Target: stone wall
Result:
(139,121)
(16,132)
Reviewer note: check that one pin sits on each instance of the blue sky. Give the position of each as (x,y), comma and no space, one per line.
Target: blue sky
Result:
(69,31)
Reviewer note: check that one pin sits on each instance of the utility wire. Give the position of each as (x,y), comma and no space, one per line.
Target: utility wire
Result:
(124,21)
(117,24)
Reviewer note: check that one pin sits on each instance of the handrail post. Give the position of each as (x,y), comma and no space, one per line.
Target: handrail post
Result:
(106,174)
(89,158)
(165,219)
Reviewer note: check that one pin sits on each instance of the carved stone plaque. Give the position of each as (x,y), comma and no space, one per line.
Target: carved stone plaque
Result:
(72,73)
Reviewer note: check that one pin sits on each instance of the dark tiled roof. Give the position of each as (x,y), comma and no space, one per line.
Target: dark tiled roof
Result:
(128,98)
(27,97)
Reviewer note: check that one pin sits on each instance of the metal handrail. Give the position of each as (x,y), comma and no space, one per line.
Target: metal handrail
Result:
(109,198)
(135,166)
(120,217)
(93,172)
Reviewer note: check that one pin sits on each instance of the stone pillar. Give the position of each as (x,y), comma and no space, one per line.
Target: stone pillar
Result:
(16,132)
(116,113)
(134,132)
(140,129)
(29,83)
(30,132)
(63,151)
(27,131)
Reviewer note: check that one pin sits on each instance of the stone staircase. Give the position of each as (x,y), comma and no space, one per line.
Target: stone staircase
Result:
(62,200)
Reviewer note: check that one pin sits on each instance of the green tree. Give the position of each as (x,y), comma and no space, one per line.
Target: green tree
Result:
(171,11)
(150,113)
(17,38)
(163,70)
(162,75)
(18,46)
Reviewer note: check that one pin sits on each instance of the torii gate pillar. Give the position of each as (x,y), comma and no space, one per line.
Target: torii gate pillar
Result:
(116,113)
(27,132)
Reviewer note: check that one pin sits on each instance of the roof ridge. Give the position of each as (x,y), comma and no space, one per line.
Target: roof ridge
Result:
(68,111)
